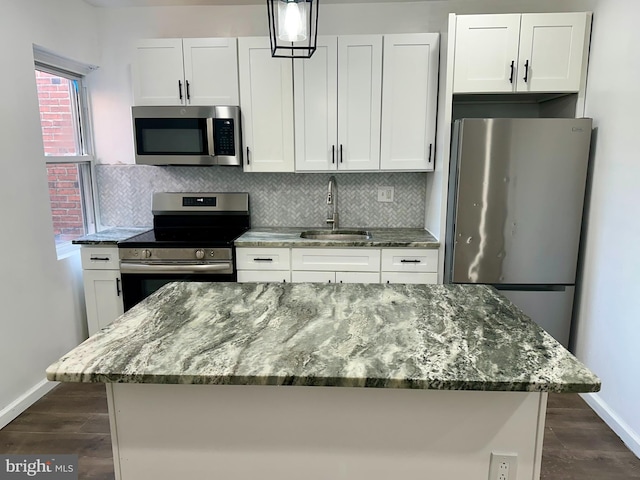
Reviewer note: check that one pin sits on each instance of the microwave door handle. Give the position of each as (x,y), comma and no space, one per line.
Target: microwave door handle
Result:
(210,140)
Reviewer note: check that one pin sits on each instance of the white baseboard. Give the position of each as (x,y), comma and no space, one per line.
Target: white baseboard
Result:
(24,401)
(619,426)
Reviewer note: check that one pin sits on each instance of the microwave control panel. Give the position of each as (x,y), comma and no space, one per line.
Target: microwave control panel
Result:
(224,137)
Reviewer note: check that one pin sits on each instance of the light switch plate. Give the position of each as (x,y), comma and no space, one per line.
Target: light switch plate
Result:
(385,194)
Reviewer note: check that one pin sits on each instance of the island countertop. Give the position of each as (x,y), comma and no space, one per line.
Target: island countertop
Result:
(380,237)
(448,337)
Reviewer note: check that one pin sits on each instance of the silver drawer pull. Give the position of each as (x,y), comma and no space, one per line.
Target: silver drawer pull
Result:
(263,259)
(409,261)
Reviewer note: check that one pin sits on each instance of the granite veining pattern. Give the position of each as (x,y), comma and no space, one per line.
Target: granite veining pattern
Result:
(462,337)
(110,236)
(380,237)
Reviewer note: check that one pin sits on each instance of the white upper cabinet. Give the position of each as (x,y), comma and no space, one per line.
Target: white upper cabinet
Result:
(158,77)
(359,101)
(409,99)
(266,106)
(520,52)
(211,71)
(486,48)
(337,104)
(552,51)
(316,107)
(190,71)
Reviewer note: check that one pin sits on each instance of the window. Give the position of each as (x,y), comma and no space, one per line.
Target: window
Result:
(63,117)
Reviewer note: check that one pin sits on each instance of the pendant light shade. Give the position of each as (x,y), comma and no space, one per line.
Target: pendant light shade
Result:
(293,27)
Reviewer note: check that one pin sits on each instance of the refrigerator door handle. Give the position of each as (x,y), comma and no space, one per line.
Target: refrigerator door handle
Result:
(531,288)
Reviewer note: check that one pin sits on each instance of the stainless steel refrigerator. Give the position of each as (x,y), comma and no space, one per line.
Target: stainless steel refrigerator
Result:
(514,213)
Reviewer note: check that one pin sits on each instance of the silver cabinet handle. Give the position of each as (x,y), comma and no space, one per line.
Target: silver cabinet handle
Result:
(154,268)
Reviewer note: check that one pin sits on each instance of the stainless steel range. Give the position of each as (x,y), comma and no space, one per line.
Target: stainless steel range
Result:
(192,240)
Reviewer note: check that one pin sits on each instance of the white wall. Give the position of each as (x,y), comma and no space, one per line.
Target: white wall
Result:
(41,308)
(608,328)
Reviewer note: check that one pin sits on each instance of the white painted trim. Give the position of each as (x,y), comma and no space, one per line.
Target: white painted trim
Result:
(617,424)
(113,426)
(23,402)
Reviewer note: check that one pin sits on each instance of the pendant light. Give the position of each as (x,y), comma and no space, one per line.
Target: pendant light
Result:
(293,27)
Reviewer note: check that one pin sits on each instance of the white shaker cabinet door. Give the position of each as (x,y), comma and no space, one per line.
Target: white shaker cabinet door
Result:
(486,49)
(158,75)
(409,98)
(103,297)
(316,103)
(211,71)
(359,101)
(552,47)
(266,105)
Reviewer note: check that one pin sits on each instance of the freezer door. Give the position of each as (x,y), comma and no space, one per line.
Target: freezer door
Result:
(550,308)
(520,193)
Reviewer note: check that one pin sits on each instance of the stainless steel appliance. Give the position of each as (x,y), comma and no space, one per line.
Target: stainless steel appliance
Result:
(192,240)
(187,135)
(516,194)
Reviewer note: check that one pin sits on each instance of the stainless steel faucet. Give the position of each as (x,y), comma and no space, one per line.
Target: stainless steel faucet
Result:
(332,201)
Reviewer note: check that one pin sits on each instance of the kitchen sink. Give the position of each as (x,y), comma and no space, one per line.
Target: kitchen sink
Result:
(336,234)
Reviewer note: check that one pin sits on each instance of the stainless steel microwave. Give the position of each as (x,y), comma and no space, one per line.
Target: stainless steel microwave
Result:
(187,135)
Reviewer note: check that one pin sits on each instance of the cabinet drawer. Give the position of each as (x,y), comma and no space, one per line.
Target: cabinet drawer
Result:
(403,277)
(277,276)
(357,277)
(409,260)
(263,258)
(336,259)
(313,277)
(100,258)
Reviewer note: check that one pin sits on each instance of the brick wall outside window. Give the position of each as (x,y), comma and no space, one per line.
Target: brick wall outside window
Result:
(58,135)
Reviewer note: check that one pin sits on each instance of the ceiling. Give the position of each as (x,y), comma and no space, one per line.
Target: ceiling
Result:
(166,3)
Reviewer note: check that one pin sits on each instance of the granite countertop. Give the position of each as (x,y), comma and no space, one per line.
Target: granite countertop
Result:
(447,337)
(110,236)
(381,237)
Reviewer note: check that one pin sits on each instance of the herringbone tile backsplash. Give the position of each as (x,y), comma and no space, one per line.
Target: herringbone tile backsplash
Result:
(276,199)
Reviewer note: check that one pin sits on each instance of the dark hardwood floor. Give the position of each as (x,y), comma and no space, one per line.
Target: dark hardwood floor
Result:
(73,418)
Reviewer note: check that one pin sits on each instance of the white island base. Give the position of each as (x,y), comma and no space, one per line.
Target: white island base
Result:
(233,432)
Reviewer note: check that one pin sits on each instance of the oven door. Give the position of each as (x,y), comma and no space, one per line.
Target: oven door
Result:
(139,280)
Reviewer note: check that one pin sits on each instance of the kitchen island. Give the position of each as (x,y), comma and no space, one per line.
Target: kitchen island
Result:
(236,381)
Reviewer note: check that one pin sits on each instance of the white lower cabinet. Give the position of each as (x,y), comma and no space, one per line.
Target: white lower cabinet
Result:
(102,286)
(357,277)
(313,277)
(277,276)
(263,264)
(409,265)
(335,277)
(337,265)
(402,277)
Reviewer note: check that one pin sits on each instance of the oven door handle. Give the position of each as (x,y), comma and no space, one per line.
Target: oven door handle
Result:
(154,268)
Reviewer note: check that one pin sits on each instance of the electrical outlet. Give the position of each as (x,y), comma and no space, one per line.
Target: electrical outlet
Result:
(385,194)
(503,466)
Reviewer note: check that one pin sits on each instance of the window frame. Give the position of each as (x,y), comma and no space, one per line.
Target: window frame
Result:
(85,160)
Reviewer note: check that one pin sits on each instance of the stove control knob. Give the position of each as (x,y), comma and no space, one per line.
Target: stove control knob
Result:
(146,253)
(200,254)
